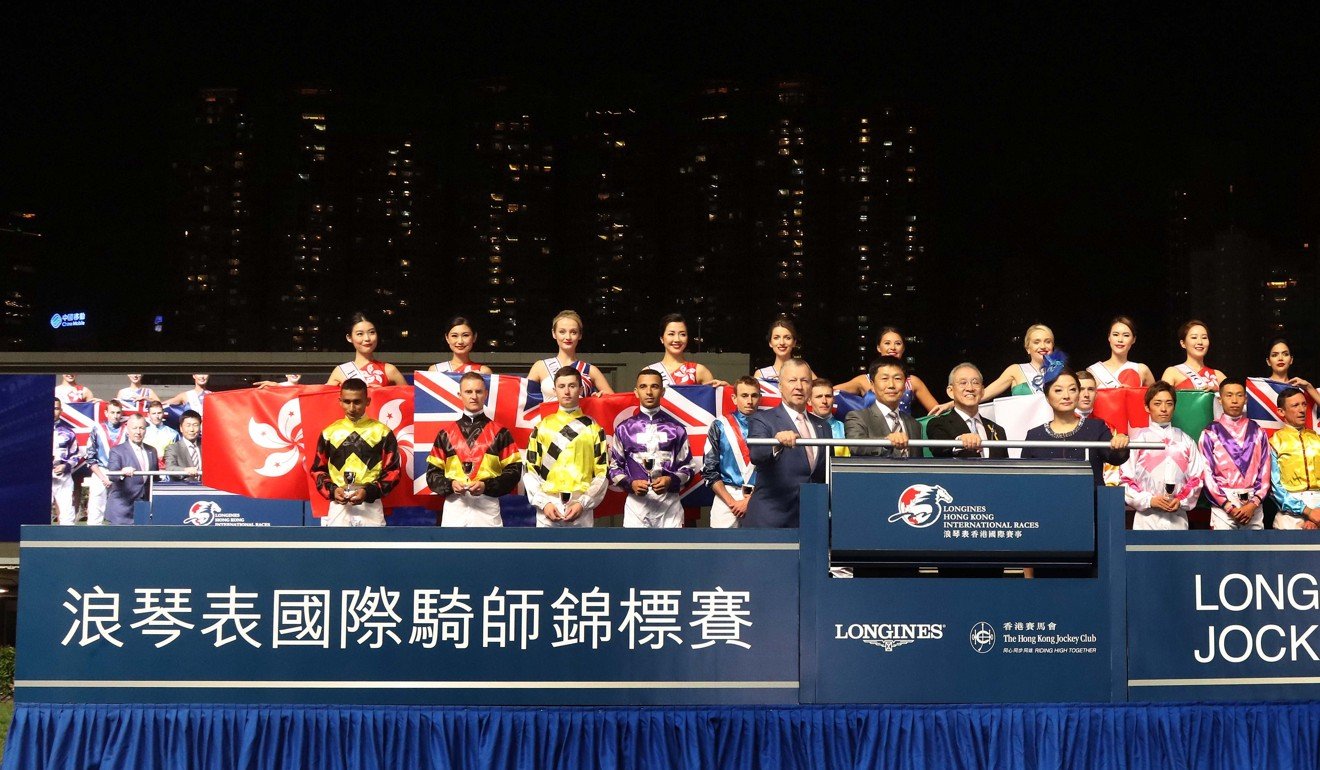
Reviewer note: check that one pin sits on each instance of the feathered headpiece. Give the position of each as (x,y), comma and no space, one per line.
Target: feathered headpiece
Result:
(1054,364)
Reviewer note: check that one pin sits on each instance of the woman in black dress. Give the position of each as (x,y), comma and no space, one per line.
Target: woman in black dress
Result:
(1061,392)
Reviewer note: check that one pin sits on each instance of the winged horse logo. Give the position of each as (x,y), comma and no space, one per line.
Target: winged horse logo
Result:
(920,505)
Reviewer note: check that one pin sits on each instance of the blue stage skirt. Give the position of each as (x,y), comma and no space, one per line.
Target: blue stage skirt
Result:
(1231,736)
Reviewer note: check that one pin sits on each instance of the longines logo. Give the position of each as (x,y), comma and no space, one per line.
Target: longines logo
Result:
(920,505)
(888,636)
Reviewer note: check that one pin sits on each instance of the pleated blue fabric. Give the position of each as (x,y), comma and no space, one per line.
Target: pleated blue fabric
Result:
(1231,736)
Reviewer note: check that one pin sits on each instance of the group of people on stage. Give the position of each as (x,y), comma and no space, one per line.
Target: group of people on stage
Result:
(133,438)
(117,450)
(569,462)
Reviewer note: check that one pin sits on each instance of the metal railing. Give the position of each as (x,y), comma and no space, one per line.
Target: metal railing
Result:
(955,444)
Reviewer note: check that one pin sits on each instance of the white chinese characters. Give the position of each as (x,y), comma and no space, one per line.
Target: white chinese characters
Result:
(375,617)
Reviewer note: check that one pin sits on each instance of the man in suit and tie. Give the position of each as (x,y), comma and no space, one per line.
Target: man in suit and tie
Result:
(185,455)
(130,457)
(782,470)
(884,420)
(964,422)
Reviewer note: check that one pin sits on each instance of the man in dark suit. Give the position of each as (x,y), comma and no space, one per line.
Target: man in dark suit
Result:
(130,457)
(782,470)
(186,453)
(883,420)
(963,422)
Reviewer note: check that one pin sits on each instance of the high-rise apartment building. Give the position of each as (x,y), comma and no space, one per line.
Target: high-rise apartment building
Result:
(219,246)
(1225,282)
(787,199)
(707,228)
(619,255)
(387,244)
(311,306)
(510,259)
(879,235)
(21,250)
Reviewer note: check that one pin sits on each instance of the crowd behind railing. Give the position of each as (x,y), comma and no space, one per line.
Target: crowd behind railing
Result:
(570,461)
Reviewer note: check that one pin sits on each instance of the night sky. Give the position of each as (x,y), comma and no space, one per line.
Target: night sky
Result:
(1054,135)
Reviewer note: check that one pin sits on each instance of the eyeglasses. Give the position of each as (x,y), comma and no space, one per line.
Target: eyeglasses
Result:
(965,383)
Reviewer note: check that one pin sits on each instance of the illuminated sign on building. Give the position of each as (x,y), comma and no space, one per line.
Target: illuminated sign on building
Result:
(66,320)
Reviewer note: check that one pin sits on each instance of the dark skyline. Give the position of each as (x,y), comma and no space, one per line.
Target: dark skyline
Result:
(1052,138)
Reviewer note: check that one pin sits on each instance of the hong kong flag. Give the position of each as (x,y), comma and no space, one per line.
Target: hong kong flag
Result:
(252,442)
(392,405)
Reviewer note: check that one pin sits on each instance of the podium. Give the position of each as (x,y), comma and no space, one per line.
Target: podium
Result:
(941,512)
(921,639)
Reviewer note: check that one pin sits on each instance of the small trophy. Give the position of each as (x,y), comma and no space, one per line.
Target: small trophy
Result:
(1243,496)
(747,490)
(467,474)
(1170,479)
(565,497)
(648,463)
(350,488)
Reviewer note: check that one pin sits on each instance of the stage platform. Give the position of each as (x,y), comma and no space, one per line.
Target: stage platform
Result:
(418,647)
(1231,736)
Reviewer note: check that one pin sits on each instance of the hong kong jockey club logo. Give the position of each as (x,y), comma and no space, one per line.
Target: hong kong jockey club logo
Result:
(982,637)
(920,505)
(202,513)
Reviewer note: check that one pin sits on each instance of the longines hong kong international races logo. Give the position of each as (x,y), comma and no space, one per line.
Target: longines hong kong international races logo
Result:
(888,636)
(202,513)
(920,505)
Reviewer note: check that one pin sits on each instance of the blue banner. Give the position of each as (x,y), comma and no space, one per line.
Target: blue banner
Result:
(961,640)
(1222,616)
(962,507)
(27,417)
(193,614)
(202,506)
(967,640)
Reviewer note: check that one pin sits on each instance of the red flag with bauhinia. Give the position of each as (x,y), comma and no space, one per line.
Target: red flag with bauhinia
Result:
(392,405)
(252,442)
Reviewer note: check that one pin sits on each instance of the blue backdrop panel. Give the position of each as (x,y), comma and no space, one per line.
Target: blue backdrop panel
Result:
(26,419)
(187,503)
(951,640)
(958,508)
(411,615)
(1215,615)
(1206,737)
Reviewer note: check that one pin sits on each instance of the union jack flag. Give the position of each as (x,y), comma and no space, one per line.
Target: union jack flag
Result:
(770,395)
(696,407)
(83,416)
(1263,405)
(510,401)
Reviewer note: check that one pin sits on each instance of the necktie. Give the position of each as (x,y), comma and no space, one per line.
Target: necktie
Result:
(192,455)
(806,432)
(974,426)
(896,426)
